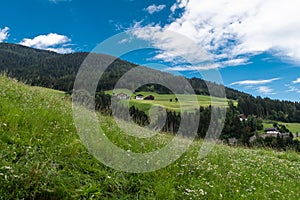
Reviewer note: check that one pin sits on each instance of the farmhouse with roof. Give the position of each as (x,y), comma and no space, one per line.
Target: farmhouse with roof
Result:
(243,117)
(272,132)
(122,96)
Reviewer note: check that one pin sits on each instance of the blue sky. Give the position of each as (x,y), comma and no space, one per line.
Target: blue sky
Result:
(255,49)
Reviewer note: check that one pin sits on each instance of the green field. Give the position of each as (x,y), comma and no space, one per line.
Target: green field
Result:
(187,103)
(293,127)
(42,157)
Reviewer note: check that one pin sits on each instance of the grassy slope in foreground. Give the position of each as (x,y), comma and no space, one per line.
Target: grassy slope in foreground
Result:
(42,157)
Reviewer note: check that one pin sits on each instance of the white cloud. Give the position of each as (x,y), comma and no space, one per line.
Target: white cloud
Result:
(291,88)
(296,81)
(155,8)
(235,62)
(123,41)
(4,34)
(258,85)
(193,68)
(201,67)
(234,28)
(179,4)
(255,26)
(173,47)
(52,42)
(255,82)
(265,90)
(61,50)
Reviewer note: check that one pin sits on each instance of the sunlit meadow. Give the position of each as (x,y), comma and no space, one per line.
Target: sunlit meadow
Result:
(42,157)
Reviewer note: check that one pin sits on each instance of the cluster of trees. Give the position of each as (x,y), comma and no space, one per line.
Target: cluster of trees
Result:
(234,127)
(104,103)
(121,112)
(267,108)
(172,122)
(138,116)
(279,142)
(242,130)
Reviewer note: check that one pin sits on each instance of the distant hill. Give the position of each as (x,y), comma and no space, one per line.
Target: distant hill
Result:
(49,69)
(58,71)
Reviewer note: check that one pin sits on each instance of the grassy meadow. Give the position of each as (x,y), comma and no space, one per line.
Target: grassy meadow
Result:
(186,102)
(42,157)
(293,127)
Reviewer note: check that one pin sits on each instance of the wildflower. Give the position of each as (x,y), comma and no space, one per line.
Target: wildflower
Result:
(202,192)
(189,190)
(6,167)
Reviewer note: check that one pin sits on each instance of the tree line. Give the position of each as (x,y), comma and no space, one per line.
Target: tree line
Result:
(284,111)
(234,127)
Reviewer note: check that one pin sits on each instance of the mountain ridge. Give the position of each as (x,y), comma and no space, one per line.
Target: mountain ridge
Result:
(58,71)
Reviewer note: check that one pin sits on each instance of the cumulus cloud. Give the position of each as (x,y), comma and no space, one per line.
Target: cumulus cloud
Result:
(52,42)
(255,82)
(4,34)
(228,29)
(173,47)
(296,81)
(178,5)
(155,8)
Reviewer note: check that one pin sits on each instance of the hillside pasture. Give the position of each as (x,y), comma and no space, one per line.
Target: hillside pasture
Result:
(186,102)
(293,127)
(42,157)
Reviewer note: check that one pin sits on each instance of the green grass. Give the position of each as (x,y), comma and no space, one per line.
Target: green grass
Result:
(293,127)
(187,103)
(43,158)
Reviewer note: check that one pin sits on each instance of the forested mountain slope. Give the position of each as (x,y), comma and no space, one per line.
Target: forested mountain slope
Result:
(58,71)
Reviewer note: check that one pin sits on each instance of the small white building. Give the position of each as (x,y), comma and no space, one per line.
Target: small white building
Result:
(139,97)
(272,131)
(243,117)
